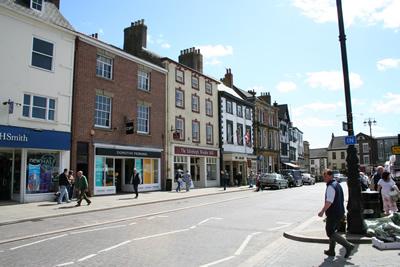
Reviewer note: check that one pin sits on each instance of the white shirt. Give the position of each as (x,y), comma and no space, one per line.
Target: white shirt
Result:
(330,194)
(386,186)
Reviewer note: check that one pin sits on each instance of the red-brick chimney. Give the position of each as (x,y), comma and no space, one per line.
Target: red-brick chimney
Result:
(192,58)
(228,78)
(266,97)
(135,37)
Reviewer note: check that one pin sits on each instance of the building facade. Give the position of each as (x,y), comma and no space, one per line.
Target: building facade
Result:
(192,126)
(318,161)
(236,134)
(384,148)
(337,153)
(118,116)
(35,116)
(367,152)
(284,129)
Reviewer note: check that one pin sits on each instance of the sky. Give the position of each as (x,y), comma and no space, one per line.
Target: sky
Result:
(289,48)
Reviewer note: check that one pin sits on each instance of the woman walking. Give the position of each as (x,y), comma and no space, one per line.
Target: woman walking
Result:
(387,185)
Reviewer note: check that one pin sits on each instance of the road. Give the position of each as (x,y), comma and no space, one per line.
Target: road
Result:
(238,229)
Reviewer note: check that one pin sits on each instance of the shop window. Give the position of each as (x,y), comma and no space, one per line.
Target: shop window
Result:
(43,169)
(211,169)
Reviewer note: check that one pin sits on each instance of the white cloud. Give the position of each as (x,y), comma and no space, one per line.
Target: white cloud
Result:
(165,45)
(388,63)
(316,107)
(100,31)
(213,61)
(369,12)
(159,41)
(332,80)
(389,104)
(286,87)
(212,51)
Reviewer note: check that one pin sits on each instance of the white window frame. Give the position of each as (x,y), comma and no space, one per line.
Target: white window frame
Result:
(365,147)
(180,127)
(37,5)
(180,76)
(195,131)
(196,103)
(209,88)
(101,71)
(143,119)
(31,106)
(179,101)
(229,107)
(247,114)
(239,110)
(209,108)
(42,54)
(209,134)
(195,82)
(143,80)
(108,113)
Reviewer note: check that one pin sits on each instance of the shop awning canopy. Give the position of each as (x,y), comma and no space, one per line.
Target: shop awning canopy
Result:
(292,165)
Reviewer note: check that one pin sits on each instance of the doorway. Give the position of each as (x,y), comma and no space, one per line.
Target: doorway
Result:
(118,175)
(6,160)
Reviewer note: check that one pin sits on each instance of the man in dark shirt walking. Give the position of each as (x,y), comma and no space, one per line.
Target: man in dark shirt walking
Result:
(63,182)
(135,181)
(334,210)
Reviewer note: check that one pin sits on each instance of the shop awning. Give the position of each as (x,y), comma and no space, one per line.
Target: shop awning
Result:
(292,165)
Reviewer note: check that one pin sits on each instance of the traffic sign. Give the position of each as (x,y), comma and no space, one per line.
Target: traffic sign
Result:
(350,140)
(396,150)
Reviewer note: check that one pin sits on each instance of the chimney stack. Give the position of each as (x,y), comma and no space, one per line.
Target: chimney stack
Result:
(94,35)
(192,58)
(228,78)
(266,97)
(135,37)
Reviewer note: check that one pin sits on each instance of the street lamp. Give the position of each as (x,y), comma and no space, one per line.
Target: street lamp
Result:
(369,122)
(354,216)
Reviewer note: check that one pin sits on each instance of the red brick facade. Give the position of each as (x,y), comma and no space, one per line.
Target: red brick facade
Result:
(125,96)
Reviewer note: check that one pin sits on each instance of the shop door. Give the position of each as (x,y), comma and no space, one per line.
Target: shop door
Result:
(118,175)
(5,175)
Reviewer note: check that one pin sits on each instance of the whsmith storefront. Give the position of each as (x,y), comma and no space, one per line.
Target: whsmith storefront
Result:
(30,161)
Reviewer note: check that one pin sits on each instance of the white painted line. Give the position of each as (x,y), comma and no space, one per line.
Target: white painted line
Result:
(1,251)
(245,242)
(162,234)
(280,227)
(118,245)
(87,257)
(97,229)
(218,261)
(209,219)
(133,223)
(65,264)
(40,241)
(192,227)
(157,216)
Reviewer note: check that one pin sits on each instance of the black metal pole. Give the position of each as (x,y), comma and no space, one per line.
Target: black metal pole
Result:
(354,217)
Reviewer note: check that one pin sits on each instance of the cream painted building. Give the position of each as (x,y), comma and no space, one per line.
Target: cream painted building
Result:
(37,60)
(192,120)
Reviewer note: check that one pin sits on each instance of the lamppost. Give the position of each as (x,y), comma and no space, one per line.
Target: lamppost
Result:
(369,122)
(354,217)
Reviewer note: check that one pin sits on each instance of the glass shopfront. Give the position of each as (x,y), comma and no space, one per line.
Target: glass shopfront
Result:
(42,171)
(114,170)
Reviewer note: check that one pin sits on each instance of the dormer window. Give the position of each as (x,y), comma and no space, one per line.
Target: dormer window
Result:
(37,5)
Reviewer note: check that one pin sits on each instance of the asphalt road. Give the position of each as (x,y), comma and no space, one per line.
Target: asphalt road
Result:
(243,228)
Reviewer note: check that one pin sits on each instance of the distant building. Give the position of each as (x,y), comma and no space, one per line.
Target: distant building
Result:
(318,161)
(367,152)
(306,165)
(384,148)
(337,153)
(284,129)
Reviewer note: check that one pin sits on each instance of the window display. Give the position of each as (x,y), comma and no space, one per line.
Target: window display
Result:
(42,172)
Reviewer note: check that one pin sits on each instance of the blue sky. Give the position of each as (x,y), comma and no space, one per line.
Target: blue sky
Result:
(289,48)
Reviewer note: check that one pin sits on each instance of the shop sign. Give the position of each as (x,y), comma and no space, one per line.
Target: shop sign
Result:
(195,151)
(127,153)
(33,138)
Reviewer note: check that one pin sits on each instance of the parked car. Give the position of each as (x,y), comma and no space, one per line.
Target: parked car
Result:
(308,179)
(274,180)
(293,177)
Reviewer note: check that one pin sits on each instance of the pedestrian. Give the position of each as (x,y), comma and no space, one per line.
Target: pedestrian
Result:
(83,187)
(258,185)
(188,180)
(250,179)
(377,176)
(385,186)
(71,186)
(334,210)
(239,178)
(225,178)
(63,184)
(178,179)
(135,180)
(364,182)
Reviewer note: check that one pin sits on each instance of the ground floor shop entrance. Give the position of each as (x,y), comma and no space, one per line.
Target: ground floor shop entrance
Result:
(6,174)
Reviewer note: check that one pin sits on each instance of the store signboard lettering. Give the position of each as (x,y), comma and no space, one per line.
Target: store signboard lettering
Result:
(195,151)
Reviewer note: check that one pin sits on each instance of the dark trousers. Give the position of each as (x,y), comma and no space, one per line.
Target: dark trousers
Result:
(225,181)
(135,189)
(332,223)
(82,195)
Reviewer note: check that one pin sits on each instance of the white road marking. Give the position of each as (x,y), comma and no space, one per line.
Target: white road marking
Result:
(206,220)
(118,245)
(157,216)
(97,229)
(161,234)
(40,241)
(245,242)
(65,264)
(280,227)
(218,261)
(133,223)
(193,227)
(87,257)
(1,251)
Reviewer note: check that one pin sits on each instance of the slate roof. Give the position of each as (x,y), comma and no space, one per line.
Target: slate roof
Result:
(50,14)
(318,153)
(337,143)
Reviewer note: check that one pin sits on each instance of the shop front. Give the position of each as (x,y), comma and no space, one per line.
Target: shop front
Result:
(30,162)
(114,165)
(202,163)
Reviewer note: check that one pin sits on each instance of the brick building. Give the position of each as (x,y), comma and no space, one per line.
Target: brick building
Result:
(118,115)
